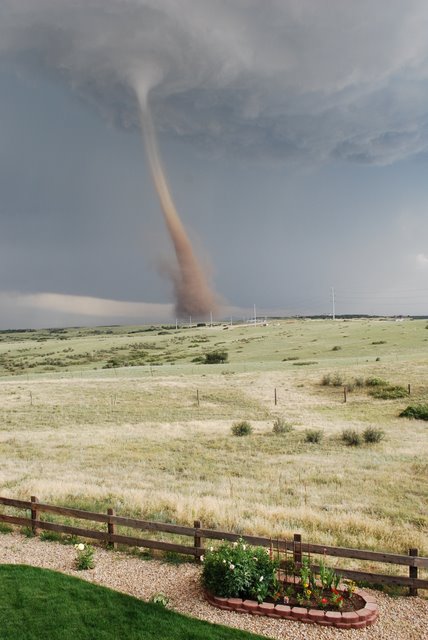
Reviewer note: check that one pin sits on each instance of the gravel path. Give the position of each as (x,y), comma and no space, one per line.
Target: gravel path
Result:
(400,618)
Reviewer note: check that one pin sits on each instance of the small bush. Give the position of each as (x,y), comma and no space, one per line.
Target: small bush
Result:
(239,570)
(389,392)
(376,382)
(373,434)
(5,528)
(314,435)
(27,532)
(242,428)
(85,557)
(351,437)
(359,382)
(281,426)
(216,357)
(416,412)
(326,380)
(337,380)
(336,348)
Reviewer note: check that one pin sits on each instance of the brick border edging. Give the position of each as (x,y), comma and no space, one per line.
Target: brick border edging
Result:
(347,620)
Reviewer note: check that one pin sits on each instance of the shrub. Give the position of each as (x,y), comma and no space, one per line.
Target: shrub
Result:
(389,392)
(216,357)
(85,557)
(281,426)
(351,437)
(336,348)
(326,380)
(359,382)
(5,528)
(238,570)
(314,435)
(373,434)
(337,380)
(375,382)
(242,428)
(416,412)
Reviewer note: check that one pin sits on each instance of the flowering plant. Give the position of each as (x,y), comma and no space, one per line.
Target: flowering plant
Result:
(85,556)
(239,570)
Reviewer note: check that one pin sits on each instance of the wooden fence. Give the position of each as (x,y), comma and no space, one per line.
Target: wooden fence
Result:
(296,548)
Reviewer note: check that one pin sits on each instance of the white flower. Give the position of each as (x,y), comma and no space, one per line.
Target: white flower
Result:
(211,548)
(261,579)
(255,558)
(231,566)
(267,551)
(201,558)
(80,546)
(244,546)
(235,544)
(224,561)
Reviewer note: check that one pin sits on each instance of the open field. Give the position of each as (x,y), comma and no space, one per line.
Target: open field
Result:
(137,438)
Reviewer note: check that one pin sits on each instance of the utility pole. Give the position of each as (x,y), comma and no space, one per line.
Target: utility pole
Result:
(211,318)
(333,304)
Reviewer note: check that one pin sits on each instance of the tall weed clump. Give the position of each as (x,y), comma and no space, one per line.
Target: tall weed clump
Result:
(415,411)
(281,426)
(242,428)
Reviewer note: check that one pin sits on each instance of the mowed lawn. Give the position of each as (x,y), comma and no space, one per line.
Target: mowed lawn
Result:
(38,604)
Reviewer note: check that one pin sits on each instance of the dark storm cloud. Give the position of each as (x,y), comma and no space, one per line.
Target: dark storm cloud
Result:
(282,78)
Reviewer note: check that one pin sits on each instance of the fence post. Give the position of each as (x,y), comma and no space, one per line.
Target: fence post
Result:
(413,572)
(275,398)
(111,528)
(34,514)
(197,540)
(297,548)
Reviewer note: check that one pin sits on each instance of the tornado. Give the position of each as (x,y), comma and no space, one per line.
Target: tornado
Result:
(193,295)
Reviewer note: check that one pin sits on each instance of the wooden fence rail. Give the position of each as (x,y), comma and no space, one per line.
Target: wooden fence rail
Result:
(197,534)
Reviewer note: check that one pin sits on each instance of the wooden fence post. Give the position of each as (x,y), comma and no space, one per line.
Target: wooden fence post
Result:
(197,540)
(34,514)
(111,528)
(345,389)
(408,389)
(276,398)
(297,548)
(197,397)
(413,572)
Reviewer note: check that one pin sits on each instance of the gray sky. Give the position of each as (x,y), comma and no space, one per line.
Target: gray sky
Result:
(294,134)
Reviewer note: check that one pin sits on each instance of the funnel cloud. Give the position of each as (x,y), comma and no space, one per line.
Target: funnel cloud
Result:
(192,293)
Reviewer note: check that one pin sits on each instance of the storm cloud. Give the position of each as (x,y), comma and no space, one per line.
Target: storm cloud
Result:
(288,79)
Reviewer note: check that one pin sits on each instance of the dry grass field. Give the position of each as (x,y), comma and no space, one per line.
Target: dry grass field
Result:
(125,417)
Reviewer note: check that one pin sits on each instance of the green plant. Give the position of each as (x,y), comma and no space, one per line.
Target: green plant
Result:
(50,536)
(281,426)
(351,437)
(375,382)
(242,428)
(216,357)
(314,435)
(5,528)
(238,570)
(336,348)
(389,392)
(415,411)
(27,532)
(160,599)
(373,434)
(85,556)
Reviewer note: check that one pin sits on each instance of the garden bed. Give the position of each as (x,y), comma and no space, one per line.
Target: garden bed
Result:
(366,615)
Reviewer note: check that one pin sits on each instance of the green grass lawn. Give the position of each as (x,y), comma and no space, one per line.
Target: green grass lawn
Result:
(38,603)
